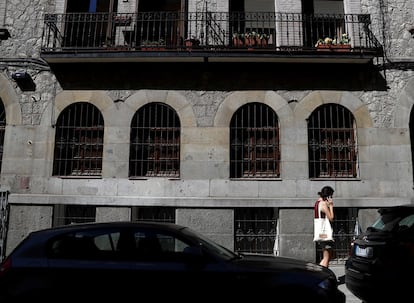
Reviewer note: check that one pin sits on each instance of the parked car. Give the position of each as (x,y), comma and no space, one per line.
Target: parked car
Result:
(381,263)
(132,260)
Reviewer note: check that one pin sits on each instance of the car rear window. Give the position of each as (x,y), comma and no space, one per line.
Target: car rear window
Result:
(393,221)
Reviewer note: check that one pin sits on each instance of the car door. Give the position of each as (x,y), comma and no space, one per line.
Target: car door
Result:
(86,262)
(165,261)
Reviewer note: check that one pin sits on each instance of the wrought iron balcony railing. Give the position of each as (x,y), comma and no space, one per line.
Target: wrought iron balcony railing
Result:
(258,32)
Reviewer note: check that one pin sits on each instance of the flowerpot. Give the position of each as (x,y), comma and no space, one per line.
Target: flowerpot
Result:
(191,43)
(263,42)
(250,42)
(334,47)
(342,48)
(237,42)
(188,44)
(152,49)
(323,48)
(118,48)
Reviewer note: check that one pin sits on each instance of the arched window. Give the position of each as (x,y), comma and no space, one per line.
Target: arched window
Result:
(254,142)
(155,142)
(2,130)
(332,143)
(79,141)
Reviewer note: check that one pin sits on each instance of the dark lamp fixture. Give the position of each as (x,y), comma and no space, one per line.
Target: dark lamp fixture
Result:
(4,34)
(21,74)
(24,80)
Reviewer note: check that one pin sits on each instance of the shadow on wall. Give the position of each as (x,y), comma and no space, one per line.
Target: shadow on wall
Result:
(220,76)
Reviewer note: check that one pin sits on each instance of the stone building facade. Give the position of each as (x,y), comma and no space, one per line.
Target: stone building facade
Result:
(204,196)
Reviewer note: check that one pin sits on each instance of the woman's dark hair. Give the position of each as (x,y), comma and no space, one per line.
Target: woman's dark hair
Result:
(326,192)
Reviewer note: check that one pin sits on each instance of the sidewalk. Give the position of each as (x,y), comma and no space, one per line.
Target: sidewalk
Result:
(339,271)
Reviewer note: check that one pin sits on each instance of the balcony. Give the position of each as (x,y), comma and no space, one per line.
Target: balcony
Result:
(206,37)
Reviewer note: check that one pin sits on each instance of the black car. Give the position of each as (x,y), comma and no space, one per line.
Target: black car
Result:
(381,264)
(136,260)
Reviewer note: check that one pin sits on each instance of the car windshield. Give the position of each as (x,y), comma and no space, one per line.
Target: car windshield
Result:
(211,246)
(392,221)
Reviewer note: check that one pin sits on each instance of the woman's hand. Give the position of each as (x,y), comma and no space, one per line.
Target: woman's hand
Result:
(329,209)
(329,201)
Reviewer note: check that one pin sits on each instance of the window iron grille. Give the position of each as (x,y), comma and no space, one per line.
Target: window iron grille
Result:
(4,217)
(157,214)
(255,230)
(71,214)
(332,144)
(254,142)
(155,142)
(79,141)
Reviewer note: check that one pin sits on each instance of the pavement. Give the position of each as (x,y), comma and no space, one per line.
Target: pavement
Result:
(339,271)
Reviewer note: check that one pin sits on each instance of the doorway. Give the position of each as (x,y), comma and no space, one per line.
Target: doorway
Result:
(322,19)
(161,22)
(88,23)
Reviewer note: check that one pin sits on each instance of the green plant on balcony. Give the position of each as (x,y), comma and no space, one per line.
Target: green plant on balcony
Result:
(326,41)
(263,39)
(329,43)
(250,39)
(238,39)
(153,45)
(192,42)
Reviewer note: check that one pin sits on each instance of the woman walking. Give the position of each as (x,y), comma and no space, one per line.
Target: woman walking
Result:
(324,206)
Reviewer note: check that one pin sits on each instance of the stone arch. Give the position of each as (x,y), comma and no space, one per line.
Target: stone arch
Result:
(358,109)
(10,101)
(100,99)
(308,104)
(404,115)
(404,106)
(177,101)
(236,100)
(233,102)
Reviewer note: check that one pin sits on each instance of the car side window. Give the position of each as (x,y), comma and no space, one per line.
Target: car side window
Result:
(108,241)
(73,246)
(159,246)
(122,245)
(84,245)
(407,221)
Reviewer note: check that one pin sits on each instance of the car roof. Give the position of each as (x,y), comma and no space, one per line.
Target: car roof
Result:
(112,224)
(405,208)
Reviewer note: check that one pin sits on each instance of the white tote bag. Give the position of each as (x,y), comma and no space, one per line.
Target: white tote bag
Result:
(322,229)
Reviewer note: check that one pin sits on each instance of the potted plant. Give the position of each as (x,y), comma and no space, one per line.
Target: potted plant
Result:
(329,44)
(322,44)
(250,39)
(238,39)
(149,45)
(263,39)
(191,42)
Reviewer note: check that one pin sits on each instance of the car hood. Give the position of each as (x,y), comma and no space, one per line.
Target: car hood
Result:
(284,264)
